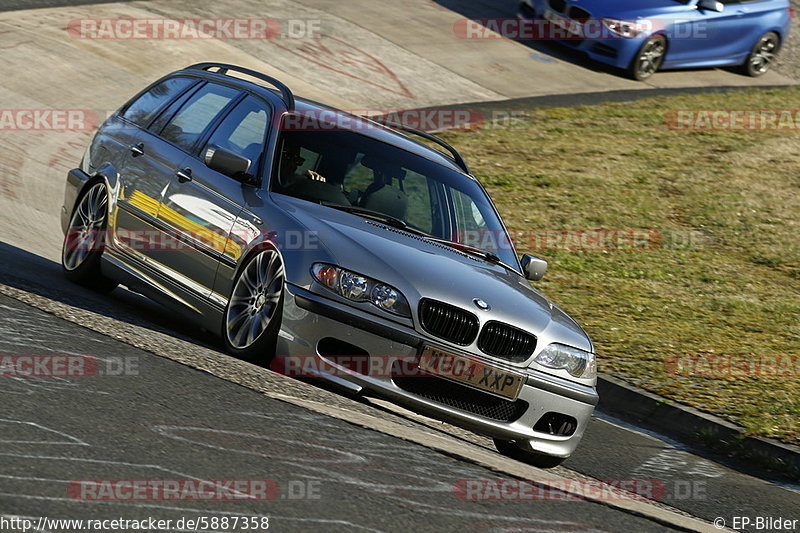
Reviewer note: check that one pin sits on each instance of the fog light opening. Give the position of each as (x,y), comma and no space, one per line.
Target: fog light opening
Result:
(344,354)
(556,424)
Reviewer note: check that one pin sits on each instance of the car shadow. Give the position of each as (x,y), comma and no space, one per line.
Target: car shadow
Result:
(505,9)
(37,275)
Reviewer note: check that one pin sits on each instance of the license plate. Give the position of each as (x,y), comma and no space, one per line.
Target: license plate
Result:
(470,372)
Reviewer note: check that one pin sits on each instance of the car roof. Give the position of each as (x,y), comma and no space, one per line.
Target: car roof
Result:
(312,108)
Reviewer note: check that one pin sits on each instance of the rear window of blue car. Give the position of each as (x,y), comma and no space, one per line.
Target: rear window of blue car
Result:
(144,108)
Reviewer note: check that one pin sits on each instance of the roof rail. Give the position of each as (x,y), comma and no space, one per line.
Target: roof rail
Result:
(286,93)
(425,135)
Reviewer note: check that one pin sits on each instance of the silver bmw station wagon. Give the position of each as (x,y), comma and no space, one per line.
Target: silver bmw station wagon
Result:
(300,231)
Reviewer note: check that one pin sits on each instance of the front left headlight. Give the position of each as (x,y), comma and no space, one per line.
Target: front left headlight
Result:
(358,288)
(624,28)
(578,363)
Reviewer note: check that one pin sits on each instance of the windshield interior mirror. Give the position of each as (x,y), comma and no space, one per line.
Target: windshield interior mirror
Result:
(711,5)
(229,163)
(533,267)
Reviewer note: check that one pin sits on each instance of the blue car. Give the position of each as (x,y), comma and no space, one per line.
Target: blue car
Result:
(647,35)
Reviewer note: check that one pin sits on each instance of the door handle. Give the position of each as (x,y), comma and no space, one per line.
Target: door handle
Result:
(184,175)
(137,149)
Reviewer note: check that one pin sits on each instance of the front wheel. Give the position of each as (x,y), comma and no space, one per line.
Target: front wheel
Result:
(649,58)
(540,460)
(253,315)
(763,55)
(85,240)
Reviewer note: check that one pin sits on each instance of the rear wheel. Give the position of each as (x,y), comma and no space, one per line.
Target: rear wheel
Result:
(85,240)
(510,449)
(649,58)
(763,55)
(253,316)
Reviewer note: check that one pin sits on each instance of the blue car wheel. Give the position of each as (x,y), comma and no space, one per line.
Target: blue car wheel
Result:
(649,58)
(763,55)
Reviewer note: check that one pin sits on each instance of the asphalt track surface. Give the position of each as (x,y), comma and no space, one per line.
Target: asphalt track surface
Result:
(116,416)
(171,421)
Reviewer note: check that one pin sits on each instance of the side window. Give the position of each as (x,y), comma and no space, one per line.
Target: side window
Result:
(468,214)
(145,107)
(158,124)
(188,125)
(243,131)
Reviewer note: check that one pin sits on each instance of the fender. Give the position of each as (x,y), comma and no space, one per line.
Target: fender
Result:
(279,234)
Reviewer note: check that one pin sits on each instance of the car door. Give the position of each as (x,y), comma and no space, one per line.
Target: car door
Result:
(140,165)
(228,201)
(200,206)
(705,36)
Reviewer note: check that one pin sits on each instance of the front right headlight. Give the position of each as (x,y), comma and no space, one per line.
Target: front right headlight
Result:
(358,288)
(578,363)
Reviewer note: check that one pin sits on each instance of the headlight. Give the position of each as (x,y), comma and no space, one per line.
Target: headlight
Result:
(577,362)
(623,28)
(358,288)
(354,287)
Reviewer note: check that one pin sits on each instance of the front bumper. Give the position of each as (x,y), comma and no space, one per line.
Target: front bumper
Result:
(308,318)
(615,52)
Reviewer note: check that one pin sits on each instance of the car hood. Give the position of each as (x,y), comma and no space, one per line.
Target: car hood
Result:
(627,10)
(422,269)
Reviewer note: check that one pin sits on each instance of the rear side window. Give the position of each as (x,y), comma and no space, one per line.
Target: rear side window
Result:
(188,125)
(145,107)
(244,130)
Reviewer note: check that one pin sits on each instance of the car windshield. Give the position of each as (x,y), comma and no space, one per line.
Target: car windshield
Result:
(344,169)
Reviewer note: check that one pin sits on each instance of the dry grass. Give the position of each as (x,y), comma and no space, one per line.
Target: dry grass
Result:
(726,279)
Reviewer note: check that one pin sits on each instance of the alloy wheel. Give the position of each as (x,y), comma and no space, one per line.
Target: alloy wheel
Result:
(764,54)
(255,299)
(651,56)
(85,231)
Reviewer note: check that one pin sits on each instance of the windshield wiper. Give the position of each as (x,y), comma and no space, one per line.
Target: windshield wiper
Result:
(490,256)
(354,209)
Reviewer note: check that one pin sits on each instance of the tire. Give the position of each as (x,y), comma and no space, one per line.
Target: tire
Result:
(85,240)
(649,58)
(540,460)
(252,317)
(763,55)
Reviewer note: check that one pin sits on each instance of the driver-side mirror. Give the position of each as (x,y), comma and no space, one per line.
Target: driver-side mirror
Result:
(229,163)
(533,267)
(711,5)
